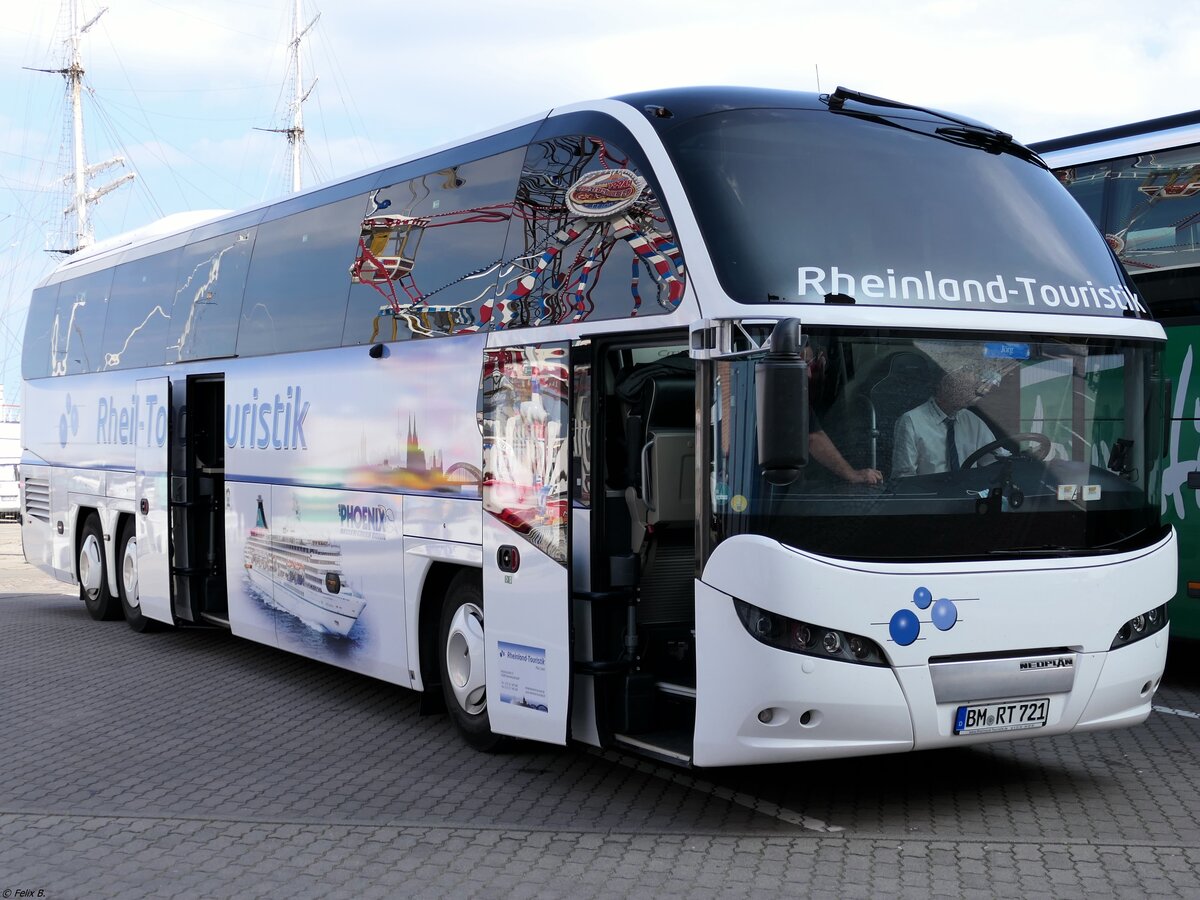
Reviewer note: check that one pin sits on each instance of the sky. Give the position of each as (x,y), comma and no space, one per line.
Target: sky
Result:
(178,88)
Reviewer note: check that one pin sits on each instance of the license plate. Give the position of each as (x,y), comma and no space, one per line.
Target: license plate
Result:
(1013,715)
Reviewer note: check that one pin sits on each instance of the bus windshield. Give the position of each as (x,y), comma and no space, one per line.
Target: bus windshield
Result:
(1056,447)
(809,206)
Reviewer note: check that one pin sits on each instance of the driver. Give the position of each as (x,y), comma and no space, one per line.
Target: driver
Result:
(940,433)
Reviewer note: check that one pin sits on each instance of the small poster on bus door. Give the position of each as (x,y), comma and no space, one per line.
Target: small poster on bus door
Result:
(523,676)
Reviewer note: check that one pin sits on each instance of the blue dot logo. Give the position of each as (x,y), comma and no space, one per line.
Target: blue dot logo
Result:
(68,423)
(945,614)
(904,627)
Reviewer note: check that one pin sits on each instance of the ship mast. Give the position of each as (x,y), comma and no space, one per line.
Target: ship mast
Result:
(295,132)
(82,199)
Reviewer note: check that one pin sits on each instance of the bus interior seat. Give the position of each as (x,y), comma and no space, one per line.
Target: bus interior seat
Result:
(661,441)
(906,384)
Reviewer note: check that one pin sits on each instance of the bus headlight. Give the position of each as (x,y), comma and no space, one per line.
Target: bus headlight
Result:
(806,638)
(1138,627)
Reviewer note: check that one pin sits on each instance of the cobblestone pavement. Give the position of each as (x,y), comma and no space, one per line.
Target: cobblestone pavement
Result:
(192,764)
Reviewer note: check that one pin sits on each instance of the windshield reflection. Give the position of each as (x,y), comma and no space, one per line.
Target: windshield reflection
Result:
(982,445)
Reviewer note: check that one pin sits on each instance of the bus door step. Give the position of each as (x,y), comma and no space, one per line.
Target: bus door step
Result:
(672,747)
(212,619)
(676,690)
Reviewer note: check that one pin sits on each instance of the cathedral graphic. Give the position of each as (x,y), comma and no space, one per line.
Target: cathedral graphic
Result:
(423,471)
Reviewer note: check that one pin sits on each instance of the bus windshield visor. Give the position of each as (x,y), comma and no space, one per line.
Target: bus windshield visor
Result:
(951,447)
(810,206)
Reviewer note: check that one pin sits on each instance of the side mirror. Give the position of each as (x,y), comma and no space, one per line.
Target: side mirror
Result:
(781,396)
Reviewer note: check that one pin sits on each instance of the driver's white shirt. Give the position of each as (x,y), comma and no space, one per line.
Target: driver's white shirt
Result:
(920,439)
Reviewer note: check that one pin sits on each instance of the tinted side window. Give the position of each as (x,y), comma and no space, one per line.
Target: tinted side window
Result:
(429,249)
(1152,211)
(39,333)
(594,241)
(297,287)
(139,312)
(1086,184)
(210,281)
(79,325)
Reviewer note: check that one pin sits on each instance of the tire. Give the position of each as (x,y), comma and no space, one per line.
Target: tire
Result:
(93,574)
(127,580)
(461,657)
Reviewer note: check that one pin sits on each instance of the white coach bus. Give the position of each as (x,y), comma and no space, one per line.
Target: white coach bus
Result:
(877,470)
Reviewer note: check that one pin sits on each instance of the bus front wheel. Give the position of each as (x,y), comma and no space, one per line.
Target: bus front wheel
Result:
(93,574)
(127,580)
(461,660)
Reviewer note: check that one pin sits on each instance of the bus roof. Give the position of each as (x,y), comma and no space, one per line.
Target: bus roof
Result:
(1122,140)
(663,108)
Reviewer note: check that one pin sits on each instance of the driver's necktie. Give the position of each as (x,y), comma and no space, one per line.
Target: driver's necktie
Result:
(951,446)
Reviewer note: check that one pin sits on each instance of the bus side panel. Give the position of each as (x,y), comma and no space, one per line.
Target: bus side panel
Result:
(316,572)
(83,427)
(1181,504)
(36,530)
(334,442)
(249,591)
(435,530)
(62,554)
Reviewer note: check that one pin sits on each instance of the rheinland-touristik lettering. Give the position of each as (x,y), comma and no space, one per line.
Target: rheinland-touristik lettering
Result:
(998,290)
(124,424)
(276,423)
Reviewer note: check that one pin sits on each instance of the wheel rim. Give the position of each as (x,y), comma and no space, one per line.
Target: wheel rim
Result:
(129,573)
(91,568)
(464,659)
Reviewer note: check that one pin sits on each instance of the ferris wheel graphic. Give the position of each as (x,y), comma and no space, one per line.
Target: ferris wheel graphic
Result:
(1161,180)
(573,220)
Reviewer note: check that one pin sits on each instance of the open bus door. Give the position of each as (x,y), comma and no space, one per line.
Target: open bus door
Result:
(152,498)
(526,571)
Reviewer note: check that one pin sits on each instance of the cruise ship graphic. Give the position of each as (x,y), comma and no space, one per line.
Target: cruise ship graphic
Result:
(302,576)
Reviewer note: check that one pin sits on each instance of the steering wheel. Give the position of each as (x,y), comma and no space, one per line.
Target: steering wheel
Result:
(1013,441)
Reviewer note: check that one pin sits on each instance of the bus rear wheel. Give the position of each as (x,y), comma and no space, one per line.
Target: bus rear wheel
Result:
(461,661)
(127,580)
(93,574)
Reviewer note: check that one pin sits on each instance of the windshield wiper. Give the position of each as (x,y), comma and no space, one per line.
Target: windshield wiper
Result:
(960,131)
(991,140)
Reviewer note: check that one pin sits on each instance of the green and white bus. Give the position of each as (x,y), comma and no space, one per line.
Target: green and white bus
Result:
(1140,184)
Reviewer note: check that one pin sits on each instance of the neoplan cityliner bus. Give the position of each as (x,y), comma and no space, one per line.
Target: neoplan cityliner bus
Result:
(469,424)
